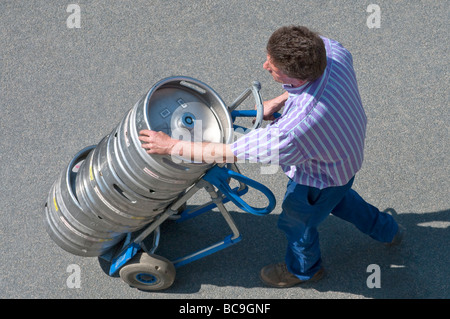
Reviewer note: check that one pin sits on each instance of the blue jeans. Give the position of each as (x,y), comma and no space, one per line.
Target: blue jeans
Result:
(304,208)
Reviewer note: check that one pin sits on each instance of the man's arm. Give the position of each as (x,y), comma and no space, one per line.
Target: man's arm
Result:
(274,105)
(162,144)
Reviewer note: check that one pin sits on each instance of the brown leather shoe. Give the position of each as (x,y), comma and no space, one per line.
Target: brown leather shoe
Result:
(278,276)
(398,238)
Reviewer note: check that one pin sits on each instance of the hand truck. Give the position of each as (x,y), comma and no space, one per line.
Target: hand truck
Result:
(141,268)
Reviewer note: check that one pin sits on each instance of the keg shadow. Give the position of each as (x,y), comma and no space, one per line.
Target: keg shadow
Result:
(415,269)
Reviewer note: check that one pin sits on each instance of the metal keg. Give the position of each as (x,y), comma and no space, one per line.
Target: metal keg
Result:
(101,192)
(184,108)
(119,188)
(72,228)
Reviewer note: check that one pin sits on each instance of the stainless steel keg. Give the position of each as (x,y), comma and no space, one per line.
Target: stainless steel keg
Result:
(103,193)
(119,188)
(184,108)
(75,230)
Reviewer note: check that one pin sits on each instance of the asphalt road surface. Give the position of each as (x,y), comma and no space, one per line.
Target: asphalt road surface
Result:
(64,86)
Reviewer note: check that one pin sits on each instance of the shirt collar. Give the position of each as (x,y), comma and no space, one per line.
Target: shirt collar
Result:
(295,90)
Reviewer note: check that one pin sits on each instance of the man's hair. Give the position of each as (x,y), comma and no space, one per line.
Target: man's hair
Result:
(298,52)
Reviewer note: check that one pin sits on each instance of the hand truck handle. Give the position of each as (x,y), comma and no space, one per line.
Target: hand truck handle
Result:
(259,112)
(218,177)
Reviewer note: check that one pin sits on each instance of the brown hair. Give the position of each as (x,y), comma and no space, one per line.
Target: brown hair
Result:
(298,52)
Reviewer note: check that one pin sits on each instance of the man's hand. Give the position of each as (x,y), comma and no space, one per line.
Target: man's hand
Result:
(274,105)
(157,142)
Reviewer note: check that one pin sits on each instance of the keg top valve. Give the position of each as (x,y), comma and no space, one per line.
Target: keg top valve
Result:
(187,120)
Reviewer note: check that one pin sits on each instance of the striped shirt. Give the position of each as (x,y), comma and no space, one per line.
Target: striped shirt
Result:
(319,139)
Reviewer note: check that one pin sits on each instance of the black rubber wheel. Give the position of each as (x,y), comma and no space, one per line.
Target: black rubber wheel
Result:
(148,272)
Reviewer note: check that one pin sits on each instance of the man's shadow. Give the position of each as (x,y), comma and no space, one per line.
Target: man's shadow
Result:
(415,269)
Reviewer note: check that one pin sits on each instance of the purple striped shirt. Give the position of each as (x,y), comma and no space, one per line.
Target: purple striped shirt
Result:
(319,139)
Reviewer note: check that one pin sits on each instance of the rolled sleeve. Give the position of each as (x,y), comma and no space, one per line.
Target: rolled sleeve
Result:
(268,145)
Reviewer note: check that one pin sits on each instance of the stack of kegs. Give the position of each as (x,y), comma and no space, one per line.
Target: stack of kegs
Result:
(115,187)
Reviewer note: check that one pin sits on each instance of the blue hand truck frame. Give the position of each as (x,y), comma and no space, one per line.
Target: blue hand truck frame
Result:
(218,177)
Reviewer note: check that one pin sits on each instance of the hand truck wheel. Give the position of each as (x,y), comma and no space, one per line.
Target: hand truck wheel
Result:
(148,272)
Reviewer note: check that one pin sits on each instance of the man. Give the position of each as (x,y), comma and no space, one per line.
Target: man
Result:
(319,140)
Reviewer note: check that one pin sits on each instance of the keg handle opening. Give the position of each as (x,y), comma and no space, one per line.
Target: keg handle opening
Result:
(192,86)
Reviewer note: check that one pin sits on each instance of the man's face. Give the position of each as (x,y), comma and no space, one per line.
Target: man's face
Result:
(276,73)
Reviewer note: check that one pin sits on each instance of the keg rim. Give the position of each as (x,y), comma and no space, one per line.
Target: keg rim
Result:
(193,84)
(81,155)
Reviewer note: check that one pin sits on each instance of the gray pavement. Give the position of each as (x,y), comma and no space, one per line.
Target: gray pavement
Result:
(62,89)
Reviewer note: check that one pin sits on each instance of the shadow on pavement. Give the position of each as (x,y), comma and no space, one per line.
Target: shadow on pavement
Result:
(415,269)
